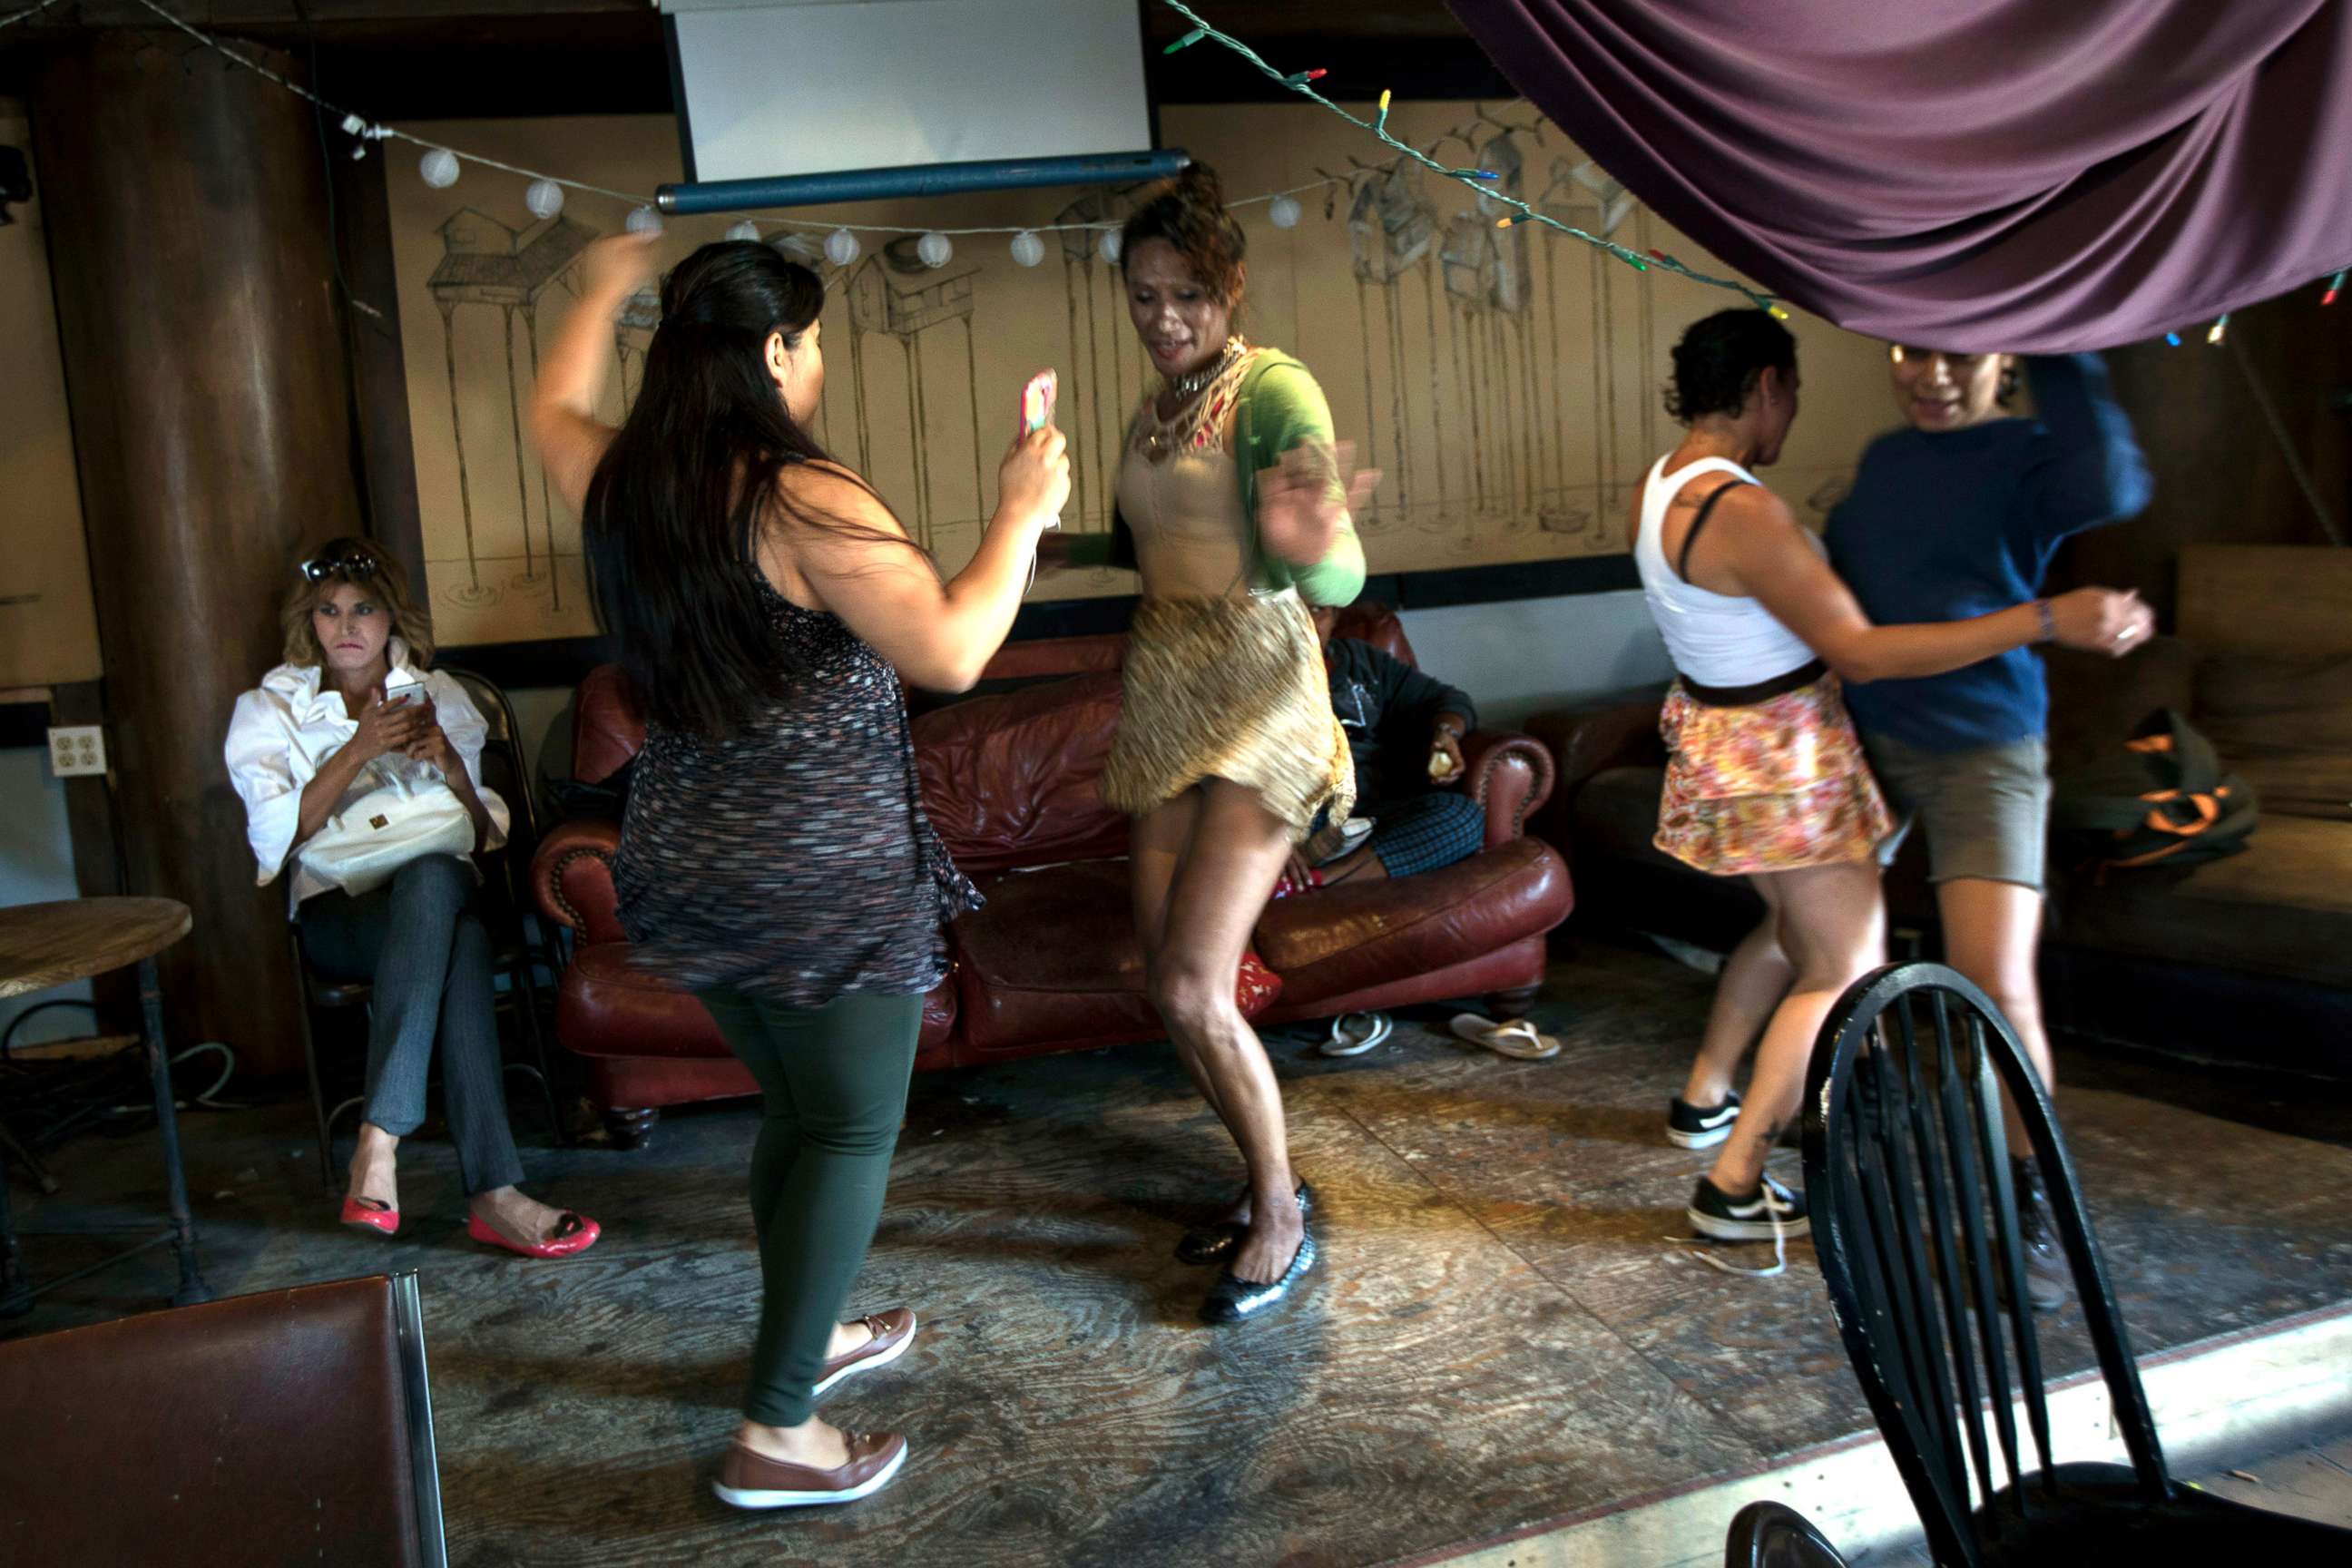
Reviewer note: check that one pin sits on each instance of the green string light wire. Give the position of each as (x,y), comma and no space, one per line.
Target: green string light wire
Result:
(1521,211)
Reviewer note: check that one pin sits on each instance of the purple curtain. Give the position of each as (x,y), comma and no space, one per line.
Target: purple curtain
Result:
(2026,175)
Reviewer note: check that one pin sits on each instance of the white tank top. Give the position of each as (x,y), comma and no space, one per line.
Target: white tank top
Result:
(1714,639)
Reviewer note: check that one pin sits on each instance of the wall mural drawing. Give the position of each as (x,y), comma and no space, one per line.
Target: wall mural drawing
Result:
(486,262)
(1505,383)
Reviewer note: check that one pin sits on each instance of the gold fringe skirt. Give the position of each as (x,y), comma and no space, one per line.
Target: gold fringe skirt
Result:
(1229,688)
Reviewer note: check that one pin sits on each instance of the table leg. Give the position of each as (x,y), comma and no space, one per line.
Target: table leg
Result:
(15,1289)
(193,1288)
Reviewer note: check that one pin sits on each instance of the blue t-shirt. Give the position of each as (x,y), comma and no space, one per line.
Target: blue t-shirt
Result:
(1960,523)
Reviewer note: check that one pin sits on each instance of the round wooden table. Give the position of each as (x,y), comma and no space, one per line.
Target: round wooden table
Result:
(42,945)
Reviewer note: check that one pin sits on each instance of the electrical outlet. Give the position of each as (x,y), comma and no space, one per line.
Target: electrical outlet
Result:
(77,750)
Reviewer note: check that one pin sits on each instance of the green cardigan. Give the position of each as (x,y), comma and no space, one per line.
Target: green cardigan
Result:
(1279,407)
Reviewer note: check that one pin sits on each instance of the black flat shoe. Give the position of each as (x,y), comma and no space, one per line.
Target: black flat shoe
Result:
(1213,1243)
(1232,1301)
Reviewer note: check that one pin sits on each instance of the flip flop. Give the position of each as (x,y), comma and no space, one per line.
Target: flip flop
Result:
(1516,1038)
(1370,1030)
(1353,833)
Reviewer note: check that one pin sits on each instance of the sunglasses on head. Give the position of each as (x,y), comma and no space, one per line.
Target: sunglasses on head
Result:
(350,559)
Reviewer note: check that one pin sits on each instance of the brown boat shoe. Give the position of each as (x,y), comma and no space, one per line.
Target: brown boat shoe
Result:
(753,1481)
(894,1334)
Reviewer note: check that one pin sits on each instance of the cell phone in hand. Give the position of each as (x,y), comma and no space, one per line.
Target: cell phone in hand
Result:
(1036,413)
(1037,402)
(402,687)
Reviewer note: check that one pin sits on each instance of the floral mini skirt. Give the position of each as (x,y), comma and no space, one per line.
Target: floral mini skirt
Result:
(1773,785)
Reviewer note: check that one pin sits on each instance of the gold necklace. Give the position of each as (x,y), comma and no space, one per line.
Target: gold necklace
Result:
(1189,384)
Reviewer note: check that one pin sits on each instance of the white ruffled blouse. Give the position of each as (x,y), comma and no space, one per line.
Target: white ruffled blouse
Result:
(283,730)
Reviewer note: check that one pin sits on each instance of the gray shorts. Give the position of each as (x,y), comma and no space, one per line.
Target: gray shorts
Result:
(1985,811)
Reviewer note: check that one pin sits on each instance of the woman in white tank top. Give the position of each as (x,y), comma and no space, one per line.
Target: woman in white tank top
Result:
(1765,776)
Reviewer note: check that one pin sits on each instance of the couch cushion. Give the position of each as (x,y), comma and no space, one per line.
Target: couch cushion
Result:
(1053,958)
(607,1007)
(2287,725)
(2284,907)
(1010,780)
(1347,938)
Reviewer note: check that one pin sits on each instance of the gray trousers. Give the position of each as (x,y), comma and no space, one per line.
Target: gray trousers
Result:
(424,951)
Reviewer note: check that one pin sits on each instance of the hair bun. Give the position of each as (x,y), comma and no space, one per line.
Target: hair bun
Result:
(1198,182)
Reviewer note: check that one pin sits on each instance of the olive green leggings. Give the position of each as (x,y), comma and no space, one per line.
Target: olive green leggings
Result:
(834,1080)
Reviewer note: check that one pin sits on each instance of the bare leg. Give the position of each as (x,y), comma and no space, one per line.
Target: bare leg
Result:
(1157,845)
(1832,927)
(1990,932)
(1755,977)
(374,1166)
(1220,886)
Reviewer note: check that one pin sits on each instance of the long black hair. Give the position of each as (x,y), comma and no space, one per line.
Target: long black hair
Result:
(1719,358)
(675,511)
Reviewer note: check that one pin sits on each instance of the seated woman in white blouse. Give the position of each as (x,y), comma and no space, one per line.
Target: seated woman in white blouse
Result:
(354,690)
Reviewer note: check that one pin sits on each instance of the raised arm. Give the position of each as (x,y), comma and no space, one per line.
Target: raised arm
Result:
(562,419)
(2089,470)
(858,560)
(1756,547)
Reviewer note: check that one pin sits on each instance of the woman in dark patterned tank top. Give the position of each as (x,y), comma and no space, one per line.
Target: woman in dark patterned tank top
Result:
(775,858)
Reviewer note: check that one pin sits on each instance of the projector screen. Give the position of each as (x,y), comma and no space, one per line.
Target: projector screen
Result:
(809,86)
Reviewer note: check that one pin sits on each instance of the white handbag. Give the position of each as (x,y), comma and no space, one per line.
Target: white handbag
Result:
(396,812)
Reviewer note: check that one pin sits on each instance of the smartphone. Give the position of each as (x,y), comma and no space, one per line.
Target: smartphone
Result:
(1037,402)
(1036,413)
(401,687)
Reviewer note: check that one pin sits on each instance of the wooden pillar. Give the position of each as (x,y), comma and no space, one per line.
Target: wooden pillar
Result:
(205,367)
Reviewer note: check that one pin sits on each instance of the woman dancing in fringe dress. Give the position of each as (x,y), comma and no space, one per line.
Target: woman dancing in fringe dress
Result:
(1234,506)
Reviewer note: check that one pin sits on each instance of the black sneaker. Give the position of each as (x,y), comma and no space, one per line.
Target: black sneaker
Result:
(1770,1210)
(2049,1282)
(1701,1126)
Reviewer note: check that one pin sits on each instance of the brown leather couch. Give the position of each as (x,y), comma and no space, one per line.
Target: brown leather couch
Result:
(2244,960)
(1052,963)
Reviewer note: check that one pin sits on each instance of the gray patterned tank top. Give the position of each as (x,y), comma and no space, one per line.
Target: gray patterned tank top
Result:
(791,860)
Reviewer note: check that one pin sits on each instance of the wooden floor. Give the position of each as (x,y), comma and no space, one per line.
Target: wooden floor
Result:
(1507,1327)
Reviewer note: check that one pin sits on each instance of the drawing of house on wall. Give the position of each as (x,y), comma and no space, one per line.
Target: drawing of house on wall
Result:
(484,262)
(1391,227)
(1094,410)
(894,294)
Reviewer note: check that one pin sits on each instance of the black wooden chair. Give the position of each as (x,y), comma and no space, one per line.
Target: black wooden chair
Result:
(1774,1535)
(516,951)
(1914,1222)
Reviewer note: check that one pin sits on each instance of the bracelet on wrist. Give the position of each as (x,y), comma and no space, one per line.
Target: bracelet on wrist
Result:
(2048,621)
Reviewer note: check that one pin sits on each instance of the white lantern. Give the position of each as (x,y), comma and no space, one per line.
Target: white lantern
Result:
(934,249)
(439,168)
(644,220)
(1283,211)
(1027,248)
(1108,245)
(840,247)
(544,198)
(747,229)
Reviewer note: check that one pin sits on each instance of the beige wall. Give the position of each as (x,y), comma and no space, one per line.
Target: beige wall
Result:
(49,632)
(1506,381)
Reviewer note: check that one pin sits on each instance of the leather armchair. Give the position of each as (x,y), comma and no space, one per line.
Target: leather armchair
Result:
(1052,963)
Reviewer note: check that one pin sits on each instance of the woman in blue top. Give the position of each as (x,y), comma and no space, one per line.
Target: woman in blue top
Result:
(1960,515)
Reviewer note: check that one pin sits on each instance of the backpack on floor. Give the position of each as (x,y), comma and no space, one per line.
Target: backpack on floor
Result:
(2164,801)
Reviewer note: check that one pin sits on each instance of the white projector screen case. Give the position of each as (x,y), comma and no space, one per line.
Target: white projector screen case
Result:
(806,87)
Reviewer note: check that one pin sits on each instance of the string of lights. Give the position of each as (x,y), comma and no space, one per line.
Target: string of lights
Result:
(440,167)
(1302,82)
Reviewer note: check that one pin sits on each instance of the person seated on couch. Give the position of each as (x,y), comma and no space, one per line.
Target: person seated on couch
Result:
(1404,730)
